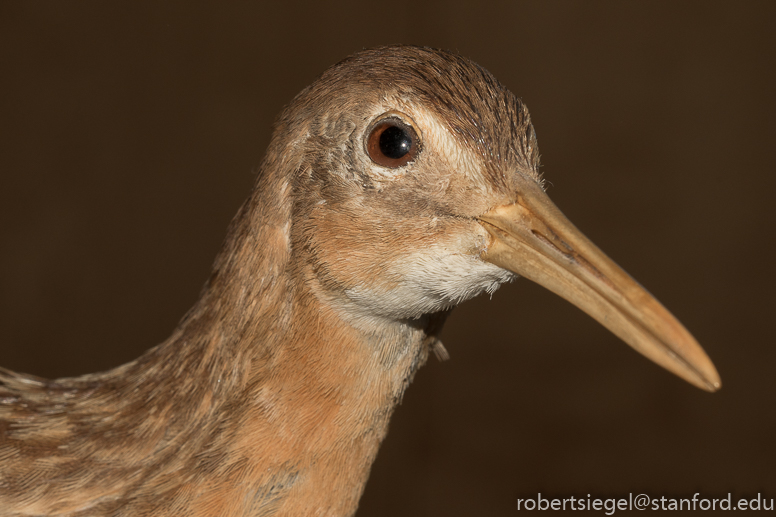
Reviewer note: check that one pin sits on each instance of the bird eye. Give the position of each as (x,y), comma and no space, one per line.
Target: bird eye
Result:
(392,143)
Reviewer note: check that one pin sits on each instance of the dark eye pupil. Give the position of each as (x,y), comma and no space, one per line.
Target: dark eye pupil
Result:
(395,142)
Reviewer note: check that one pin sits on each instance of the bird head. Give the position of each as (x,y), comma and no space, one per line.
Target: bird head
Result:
(417,187)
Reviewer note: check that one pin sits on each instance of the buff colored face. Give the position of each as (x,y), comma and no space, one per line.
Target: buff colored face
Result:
(466,234)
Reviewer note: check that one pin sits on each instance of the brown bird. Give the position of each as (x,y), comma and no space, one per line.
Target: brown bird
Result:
(402,182)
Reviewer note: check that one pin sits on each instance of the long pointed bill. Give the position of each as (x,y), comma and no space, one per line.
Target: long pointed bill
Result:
(534,239)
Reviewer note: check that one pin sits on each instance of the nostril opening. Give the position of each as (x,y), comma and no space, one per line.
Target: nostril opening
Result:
(570,254)
(547,241)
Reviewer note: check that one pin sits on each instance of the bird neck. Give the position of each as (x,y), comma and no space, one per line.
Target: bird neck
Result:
(265,400)
(315,407)
(292,397)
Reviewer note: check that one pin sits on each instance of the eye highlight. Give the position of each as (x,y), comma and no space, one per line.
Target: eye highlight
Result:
(392,143)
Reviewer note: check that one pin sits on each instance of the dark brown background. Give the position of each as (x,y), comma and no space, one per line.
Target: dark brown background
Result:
(129,134)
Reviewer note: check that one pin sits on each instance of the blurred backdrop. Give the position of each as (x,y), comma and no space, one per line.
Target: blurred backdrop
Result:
(130,133)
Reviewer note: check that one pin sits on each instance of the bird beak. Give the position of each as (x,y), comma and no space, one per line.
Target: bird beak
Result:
(532,238)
